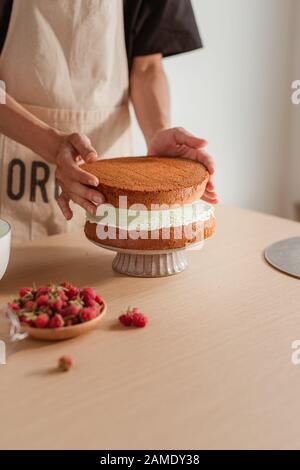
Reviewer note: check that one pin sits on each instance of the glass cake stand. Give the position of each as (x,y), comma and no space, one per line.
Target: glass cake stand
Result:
(150,263)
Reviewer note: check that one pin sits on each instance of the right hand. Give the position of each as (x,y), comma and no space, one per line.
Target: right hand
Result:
(73,150)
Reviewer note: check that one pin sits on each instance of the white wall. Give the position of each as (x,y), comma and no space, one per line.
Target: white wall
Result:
(293,141)
(236,93)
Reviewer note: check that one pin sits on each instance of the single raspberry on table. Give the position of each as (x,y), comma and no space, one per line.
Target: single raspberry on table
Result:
(125,319)
(42,321)
(65,363)
(139,320)
(56,321)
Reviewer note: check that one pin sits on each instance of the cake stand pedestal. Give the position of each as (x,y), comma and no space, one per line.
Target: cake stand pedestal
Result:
(151,263)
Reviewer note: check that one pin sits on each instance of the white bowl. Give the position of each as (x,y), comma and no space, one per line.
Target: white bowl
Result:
(5,240)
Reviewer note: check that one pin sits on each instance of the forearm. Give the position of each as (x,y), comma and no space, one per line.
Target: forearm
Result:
(20,125)
(149,93)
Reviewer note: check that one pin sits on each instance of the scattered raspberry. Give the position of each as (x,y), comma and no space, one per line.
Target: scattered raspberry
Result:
(42,321)
(133,317)
(65,363)
(139,320)
(126,319)
(56,321)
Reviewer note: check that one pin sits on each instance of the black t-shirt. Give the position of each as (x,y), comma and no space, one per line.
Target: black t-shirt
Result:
(151,26)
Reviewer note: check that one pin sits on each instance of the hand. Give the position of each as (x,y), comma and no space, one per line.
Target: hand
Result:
(177,142)
(73,150)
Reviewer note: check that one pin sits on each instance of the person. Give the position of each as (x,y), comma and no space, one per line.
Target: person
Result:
(71,68)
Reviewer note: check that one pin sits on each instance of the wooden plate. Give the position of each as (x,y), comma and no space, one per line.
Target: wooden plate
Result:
(66,332)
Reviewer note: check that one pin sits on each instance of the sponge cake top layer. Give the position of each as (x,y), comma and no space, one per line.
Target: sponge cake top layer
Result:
(149,180)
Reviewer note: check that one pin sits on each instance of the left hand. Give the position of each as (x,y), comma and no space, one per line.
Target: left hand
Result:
(177,142)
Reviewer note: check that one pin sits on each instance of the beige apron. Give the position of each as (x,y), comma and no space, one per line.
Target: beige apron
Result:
(65,61)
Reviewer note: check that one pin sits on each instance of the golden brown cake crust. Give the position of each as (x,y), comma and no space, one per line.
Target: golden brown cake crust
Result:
(194,234)
(149,180)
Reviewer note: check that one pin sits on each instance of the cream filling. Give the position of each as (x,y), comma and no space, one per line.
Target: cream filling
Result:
(135,219)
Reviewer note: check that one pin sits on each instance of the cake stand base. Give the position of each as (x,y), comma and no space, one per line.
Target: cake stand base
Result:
(150,263)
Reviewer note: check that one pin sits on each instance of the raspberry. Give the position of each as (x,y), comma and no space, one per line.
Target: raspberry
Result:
(14,306)
(88,292)
(56,321)
(70,290)
(25,320)
(42,300)
(29,305)
(62,295)
(42,321)
(24,291)
(88,300)
(139,320)
(126,319)
(71,310)
(44,290)
(99,299)
(133,317)
(56,305)
(87,314)
(65,363)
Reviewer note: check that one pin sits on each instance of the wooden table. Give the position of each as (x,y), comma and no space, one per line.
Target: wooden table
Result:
(211,370)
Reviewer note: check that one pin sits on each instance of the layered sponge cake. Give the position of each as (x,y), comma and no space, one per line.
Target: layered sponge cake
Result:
(151,203)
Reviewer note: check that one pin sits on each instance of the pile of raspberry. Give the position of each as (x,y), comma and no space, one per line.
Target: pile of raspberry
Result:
(56,306)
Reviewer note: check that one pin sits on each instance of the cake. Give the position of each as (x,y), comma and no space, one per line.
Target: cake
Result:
(151,203)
